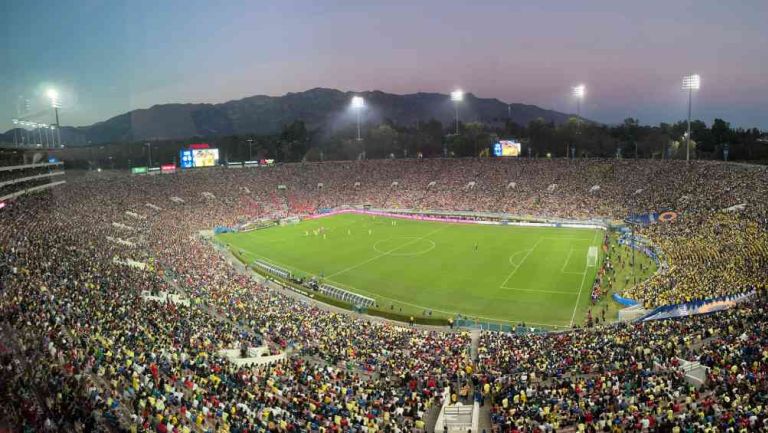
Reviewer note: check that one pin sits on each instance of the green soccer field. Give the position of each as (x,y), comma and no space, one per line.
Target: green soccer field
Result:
(540,276)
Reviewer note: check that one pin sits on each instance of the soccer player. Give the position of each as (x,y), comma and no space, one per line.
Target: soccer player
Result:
(475,246)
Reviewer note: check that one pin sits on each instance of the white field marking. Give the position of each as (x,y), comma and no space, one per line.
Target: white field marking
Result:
(496,319)
(590,255)
(559,292)
(386,253)
(572,273)
(431,247)
(581,287)
(567,238)
(566,260)
(515,255)
(521,262)
(422,307)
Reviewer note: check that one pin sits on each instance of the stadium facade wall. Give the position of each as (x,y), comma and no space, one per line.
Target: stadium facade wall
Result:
(31,190)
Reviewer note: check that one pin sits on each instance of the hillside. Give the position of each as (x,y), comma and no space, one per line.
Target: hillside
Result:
(319,108)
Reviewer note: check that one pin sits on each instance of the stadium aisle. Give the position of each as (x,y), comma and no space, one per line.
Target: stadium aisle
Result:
(475,336)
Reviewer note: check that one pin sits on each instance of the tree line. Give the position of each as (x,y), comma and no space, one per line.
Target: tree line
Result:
(540,139)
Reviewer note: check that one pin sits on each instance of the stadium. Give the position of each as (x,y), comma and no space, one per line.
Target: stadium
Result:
(402,295)
(465,216)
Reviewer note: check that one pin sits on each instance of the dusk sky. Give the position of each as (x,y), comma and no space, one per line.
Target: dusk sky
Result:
(108,57)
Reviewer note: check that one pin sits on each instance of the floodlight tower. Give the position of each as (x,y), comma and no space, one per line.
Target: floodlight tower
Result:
(250,149)
(578,93)
(457,96)
(690,83)
(149,159)
(53,96)
(358,104)
(15,133)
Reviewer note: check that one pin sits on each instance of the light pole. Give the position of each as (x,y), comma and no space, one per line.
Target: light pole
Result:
(578,93)
(48,141)
(457,96)
(690,83)
(250,149)
(149,146)
(20,122)
(15,133)
(358,104)
(53,95)
(25,133)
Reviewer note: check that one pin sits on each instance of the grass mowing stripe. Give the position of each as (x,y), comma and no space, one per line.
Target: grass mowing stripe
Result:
(357,289)
(386,253)
(566,260)
(559,292)
(398,266)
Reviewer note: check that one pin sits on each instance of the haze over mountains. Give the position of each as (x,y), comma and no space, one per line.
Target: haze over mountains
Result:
(319,108)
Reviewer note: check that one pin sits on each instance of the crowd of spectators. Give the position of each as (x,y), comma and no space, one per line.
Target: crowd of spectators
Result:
(711,254)
(628,377)
(85,349)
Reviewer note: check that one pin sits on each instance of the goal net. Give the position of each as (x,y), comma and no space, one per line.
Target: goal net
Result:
(592,257)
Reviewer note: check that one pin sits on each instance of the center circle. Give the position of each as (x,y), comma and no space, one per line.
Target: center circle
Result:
(404,246)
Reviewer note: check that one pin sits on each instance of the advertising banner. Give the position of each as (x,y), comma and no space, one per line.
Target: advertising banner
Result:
(205,157)
(187,161)
(507,148)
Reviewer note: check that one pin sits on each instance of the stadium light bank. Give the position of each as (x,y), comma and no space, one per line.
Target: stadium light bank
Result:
(457,96)
(579,92)
(358,104)
(53,96)
(690,83)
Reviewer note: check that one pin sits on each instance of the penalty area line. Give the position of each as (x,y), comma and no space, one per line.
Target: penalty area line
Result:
(581,287)
(567,259)
(558,292)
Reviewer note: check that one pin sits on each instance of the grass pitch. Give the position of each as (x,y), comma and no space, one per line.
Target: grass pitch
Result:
(535,275)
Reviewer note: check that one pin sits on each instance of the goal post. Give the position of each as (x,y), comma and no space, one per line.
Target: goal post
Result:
(592,257)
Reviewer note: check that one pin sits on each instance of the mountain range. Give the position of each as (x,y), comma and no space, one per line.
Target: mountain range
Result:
(319,108)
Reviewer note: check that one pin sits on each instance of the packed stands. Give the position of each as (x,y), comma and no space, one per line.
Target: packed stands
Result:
(84,349)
